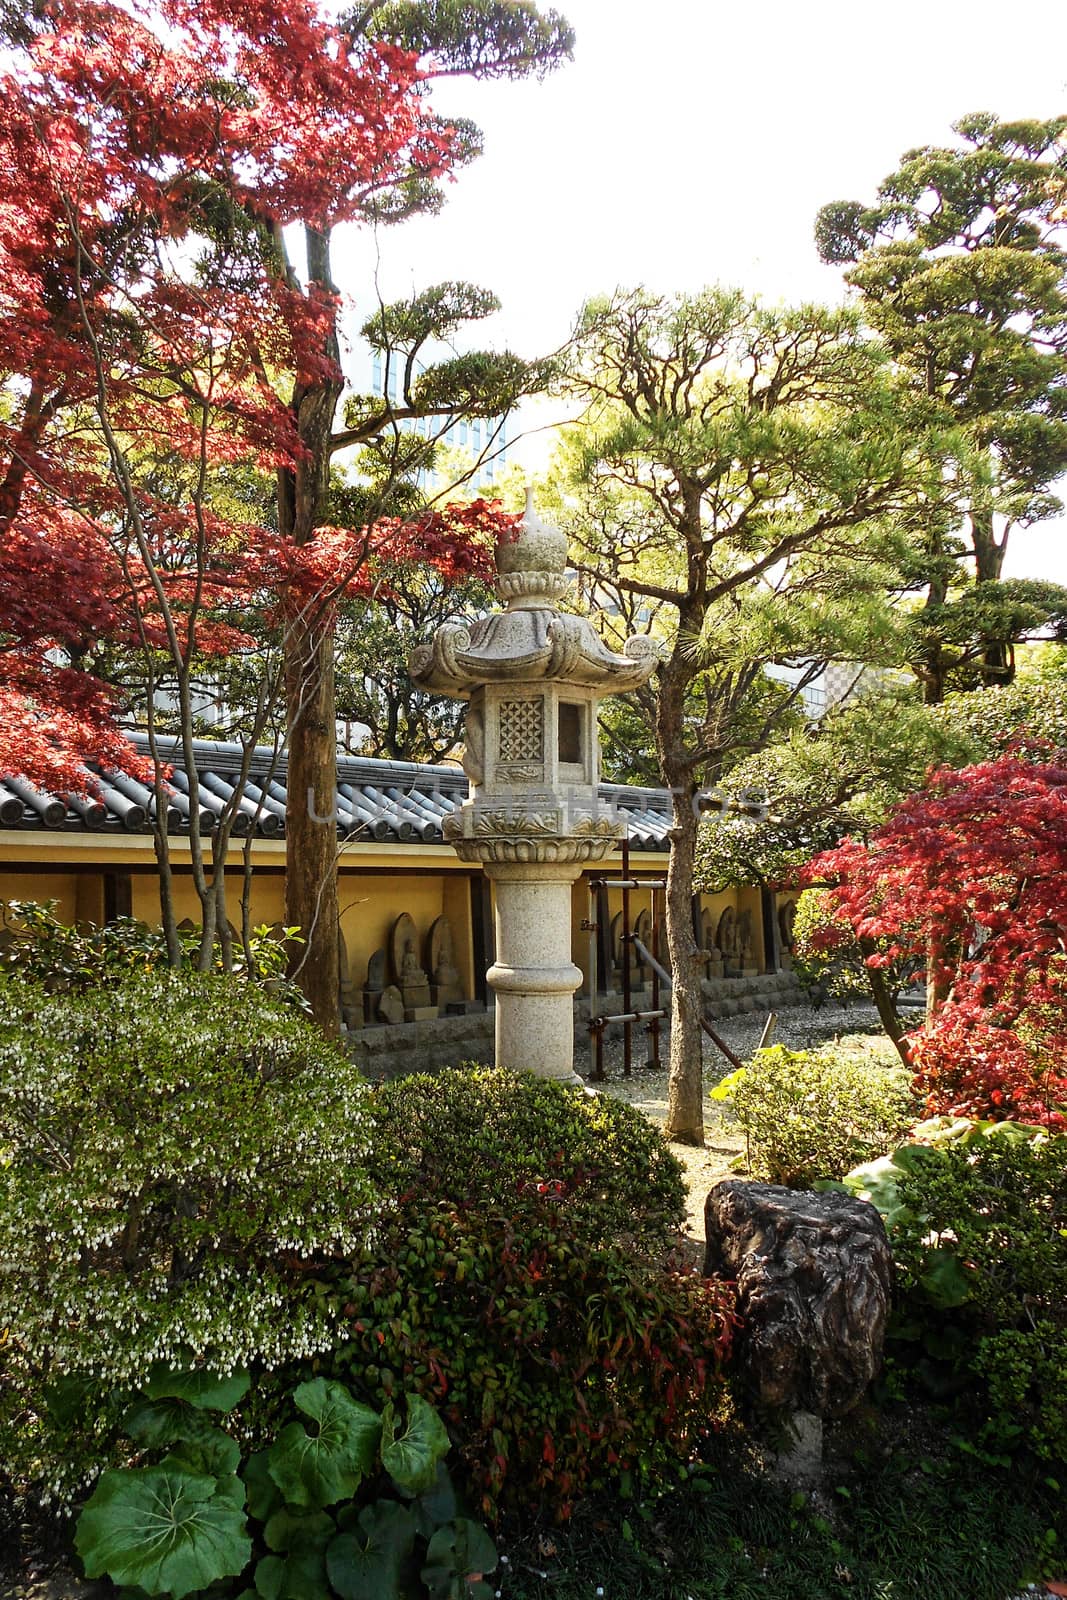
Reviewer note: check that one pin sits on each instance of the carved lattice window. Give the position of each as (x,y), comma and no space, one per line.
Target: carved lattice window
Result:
(522,735)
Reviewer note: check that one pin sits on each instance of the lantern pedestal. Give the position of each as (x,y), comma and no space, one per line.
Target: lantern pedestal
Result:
(533,977)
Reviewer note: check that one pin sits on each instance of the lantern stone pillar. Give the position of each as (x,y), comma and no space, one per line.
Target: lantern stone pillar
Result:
(533,677)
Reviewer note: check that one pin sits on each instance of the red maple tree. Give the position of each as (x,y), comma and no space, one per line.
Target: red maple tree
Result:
(140,324)
(155,336)
(969,876)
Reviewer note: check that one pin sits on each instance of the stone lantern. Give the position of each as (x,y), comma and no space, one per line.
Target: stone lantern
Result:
(533,677)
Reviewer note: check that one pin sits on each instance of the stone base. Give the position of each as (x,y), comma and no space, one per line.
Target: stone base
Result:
(420,1013)
(444,995)
(799,1458)
(463,1008)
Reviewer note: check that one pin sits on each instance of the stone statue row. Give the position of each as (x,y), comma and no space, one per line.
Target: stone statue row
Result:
(398,988)
(727,947)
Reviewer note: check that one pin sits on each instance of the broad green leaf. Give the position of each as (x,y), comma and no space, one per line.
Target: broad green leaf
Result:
(154,1424)
(366,1564)
(913,1157)
(205,1390)
(312,1529)
(264,1496)
(164,1530)
(300,1572)
(218,1456)
(66,1399)
(456,1560)
(437,1506)
(411,1460)
(317,1470)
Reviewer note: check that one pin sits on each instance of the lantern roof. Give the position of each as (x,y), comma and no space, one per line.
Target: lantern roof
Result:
(532,640)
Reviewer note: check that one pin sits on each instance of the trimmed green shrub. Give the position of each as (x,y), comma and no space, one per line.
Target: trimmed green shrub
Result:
(171,1150)
(978,1224)
(477,1135)
(812,1114)
(344,1501)
(517,1280)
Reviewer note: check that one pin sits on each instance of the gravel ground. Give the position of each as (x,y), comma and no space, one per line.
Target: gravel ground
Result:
(798,1027)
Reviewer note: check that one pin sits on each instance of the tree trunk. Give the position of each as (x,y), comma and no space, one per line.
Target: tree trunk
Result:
(883,1000)
(311,713)
(310,825)
(938,979)
(998,657)
(685,1102)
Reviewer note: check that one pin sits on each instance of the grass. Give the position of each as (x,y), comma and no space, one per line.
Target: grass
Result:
(885,1526)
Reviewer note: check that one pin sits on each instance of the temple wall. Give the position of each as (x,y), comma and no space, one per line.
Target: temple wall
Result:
(376,884)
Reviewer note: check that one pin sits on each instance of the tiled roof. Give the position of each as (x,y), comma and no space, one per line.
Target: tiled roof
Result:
(382,801)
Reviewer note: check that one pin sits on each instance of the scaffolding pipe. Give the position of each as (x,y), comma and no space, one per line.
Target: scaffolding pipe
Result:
(719,1043)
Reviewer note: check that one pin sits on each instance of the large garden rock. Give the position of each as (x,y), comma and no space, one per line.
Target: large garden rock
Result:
(813,1273)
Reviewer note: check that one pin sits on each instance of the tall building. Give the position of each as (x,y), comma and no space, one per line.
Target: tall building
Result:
(484,439)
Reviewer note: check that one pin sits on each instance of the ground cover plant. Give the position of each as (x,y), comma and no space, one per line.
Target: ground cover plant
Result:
(344,1501)
(900,1516)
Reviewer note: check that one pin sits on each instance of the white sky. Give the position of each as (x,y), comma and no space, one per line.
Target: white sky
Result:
(691,142)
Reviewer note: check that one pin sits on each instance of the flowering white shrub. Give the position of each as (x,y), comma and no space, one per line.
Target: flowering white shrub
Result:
(171,1150)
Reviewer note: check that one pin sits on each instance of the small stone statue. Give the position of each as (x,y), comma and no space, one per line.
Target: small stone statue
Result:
(713,967)
(408,974)
(447,986)
(390,1005)
(746,946)
(728,944)
(351,1000)
(643,932)
(787,916)
(373,985)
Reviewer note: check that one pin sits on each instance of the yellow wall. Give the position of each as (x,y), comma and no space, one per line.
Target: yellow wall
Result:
(425,883)
(49,885)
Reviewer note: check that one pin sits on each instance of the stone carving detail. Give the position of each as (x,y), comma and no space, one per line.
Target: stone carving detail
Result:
(519,774)
(639,647)
(522,730)
(520,585)
(517,822)
(813,1273)
(598,828)
(502,848)
(787,916)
